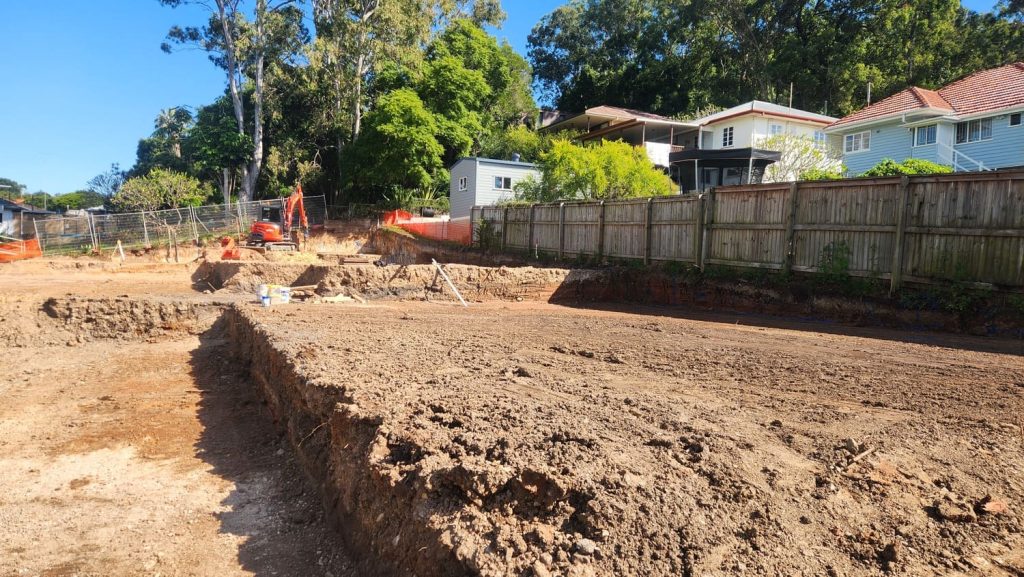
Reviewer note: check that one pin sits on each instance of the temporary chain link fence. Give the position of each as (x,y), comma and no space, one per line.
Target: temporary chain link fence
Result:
(78,234)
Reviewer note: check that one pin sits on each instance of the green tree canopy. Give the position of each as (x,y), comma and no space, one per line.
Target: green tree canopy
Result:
(399,146)
(160,188)
(606,171)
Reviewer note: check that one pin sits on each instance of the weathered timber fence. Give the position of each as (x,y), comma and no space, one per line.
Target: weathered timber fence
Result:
(964,226)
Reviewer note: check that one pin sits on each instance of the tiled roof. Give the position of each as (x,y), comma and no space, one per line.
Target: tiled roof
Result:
(992,89)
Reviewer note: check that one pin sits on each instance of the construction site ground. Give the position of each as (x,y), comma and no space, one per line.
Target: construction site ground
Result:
(152,424)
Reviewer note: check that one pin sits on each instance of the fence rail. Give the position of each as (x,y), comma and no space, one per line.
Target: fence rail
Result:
(964,226)
(65,235)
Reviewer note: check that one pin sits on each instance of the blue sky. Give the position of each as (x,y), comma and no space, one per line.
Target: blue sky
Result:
(83,82)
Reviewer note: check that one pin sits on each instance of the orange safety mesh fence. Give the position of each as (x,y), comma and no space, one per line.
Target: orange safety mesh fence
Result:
(458,230)
(19,249)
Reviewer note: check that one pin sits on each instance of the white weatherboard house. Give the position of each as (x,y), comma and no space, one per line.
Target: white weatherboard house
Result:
(718,149)
(485,182)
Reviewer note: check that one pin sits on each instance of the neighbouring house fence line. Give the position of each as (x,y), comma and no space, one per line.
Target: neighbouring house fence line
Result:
(965,227)
(66,235)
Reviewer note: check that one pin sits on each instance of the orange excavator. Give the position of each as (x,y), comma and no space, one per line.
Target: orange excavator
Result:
(274,228)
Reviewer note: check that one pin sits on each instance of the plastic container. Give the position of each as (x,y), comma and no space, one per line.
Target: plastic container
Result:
(272,294)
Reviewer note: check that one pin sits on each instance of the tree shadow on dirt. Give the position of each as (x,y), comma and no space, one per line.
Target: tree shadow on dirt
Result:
(567,295)
(273,507)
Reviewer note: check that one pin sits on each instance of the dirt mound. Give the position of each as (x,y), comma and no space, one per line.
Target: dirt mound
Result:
(550,442)
(388,282)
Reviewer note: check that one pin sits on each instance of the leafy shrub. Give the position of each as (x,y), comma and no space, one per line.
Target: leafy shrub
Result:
(821,174)
(910,166)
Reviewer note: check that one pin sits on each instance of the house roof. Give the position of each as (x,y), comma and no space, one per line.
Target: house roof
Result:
(18,207)
(984,91)
(479,159)
(765,108)
(614,114)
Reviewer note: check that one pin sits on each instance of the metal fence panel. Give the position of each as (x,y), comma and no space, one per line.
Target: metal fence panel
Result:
(76,234)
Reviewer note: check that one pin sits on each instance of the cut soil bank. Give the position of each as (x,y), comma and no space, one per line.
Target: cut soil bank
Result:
(124,458)
(391,282)
(531,439)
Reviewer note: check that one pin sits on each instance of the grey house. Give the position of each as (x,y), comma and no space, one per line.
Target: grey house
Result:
(484,182)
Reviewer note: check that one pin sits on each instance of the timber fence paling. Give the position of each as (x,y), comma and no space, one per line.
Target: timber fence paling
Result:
(960,227)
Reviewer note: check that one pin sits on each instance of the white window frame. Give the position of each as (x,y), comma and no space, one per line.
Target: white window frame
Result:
(820,139)
(854,143)
(728,136)
(935,134)
(968,139)
(775,129)
(1020,119)
(500,181)
(463,183)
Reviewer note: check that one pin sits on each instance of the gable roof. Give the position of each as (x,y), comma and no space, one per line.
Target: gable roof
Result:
(983,91)
(766,108)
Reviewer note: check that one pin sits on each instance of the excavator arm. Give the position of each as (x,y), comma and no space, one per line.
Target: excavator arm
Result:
(295,201)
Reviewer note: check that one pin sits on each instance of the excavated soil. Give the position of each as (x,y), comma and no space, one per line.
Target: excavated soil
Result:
(536,440)
(387,282)
(143,407)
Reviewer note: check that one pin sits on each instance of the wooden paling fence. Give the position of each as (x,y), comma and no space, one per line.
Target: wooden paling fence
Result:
(964,226)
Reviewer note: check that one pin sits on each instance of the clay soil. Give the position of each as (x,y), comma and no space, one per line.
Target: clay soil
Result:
(519,439)
(535,439)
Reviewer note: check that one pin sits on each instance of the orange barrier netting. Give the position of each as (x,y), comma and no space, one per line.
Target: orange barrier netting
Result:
(19,250)
(459,230)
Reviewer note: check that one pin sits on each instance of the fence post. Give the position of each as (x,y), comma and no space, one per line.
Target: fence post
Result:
(561,230)
(472,225)
(39,239)
(529,240)
(600,231)
(896,280)
(145,230)
(698,234)
(647,230)
(504,228)
(787,263)
(709,223)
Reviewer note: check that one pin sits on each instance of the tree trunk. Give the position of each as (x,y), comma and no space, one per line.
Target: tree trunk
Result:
(252,171)
(225,185)
(236,96)
(357,110)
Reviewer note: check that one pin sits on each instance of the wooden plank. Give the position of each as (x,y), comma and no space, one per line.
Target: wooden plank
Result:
(698,236)
(901,225)
(601,231)
(647,232)
(787,264)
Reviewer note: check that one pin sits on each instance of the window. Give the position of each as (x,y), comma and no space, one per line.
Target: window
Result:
(820,140)
(924,135)
(974,131)
(502,183)
(463,183)
(857,142)
(732,176)
(727,136)
(1015,119)
(775,129)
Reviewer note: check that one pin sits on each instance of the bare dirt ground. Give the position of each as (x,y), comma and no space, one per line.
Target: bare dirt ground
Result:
(140,456)
(526,438)
(543,440)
